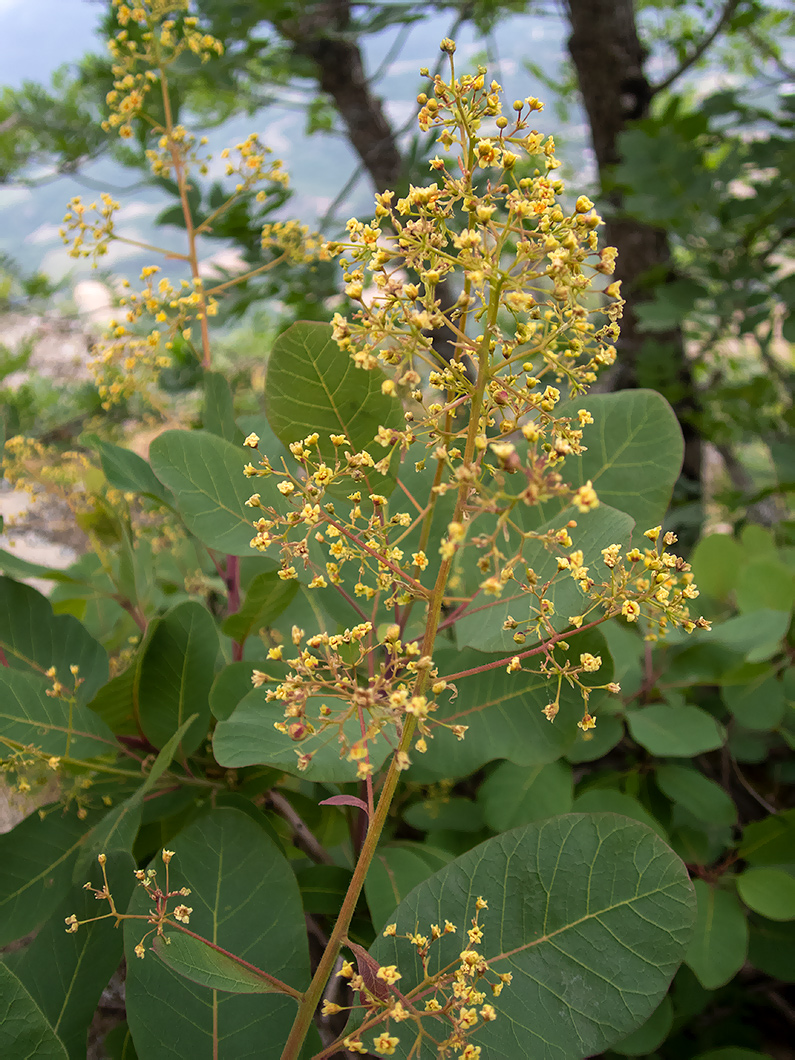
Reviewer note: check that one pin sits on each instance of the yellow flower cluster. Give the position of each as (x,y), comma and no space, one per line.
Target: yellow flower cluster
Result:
(457,998)
(88,236)
(147,42)
(325,670)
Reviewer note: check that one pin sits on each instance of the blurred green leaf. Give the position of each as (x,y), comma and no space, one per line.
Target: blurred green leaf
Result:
(513,795)
(769,892)
(24,1030)
(675,732)
(267,597)
(720,944)
(36,862)
(34,639)
(703,797)
(175,674)
(396,870)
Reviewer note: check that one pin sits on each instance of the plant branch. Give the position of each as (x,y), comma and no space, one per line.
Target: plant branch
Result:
(304,838)
(538,650)
(728,10)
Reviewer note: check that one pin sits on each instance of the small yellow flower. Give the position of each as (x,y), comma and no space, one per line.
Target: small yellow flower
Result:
(252,441)
(385,1044)
(587,722)
(630,610)
(389,973)
(585,499)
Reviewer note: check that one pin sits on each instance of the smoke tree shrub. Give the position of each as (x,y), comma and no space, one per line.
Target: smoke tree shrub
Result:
(431,554)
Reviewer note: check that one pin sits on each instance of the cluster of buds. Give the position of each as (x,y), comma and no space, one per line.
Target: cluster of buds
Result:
(456,999)
(537,317)
(60,691)
(149,39)
(519,250)
(128,356)
(364,537)
(88,230)
(27,770)
(160,917)
(657,593)
(322,692)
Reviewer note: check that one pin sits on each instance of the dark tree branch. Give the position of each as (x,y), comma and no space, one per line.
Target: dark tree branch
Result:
(728,10)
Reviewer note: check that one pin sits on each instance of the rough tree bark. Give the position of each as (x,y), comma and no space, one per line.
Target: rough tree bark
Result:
(321,33)
(609,60)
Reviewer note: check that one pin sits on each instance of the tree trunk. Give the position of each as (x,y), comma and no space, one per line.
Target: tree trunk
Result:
(609,59)
(322,33)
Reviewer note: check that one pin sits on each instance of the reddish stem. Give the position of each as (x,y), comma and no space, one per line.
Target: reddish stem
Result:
(526,654)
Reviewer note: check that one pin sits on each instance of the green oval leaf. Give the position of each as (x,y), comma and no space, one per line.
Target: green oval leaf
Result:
(24,1030)
(504,716)
(768,891)
(245,899)
(675,732)
(312,385)
(205,473)
(36,862)
(483,629)
(395,871)
(175,675)
(720,943)
(634,451)
(196,960)
(32,718)
(440,814)
(701,796)
(247,738)
(590,913)
(267,597)
(770,841)
(34,639)
(758,704)
(608,800)
(514,795)
(127,471)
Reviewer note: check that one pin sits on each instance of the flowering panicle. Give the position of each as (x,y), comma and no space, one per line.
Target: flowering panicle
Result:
(536,318)
(151,37)
(448,1006)
(323,692)
(160,916)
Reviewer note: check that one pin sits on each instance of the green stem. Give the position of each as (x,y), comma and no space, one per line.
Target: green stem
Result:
(314,994)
